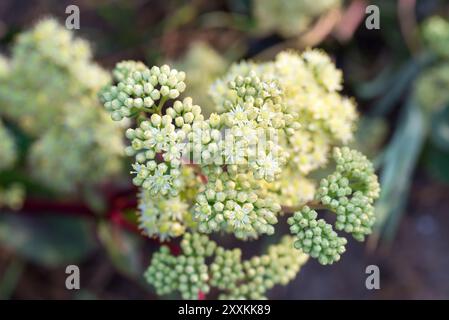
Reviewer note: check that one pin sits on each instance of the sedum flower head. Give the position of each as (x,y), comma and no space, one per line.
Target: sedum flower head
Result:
(317,114)
(276,122)
(49,69)
(431,87)
(436,33)
(49,92)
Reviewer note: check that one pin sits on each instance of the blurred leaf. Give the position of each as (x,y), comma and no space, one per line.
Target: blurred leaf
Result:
(375,87)
(398,164)
(370,135)
(123,248)
(400,83)
(49,240)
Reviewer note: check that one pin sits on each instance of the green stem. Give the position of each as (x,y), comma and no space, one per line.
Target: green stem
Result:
(161,105)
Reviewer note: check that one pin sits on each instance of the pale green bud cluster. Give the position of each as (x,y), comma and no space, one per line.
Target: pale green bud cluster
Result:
(350,192)
(141,89)
(431,87)
(289,18)
(186,273)
(278,266)
(316,237)
(436,33)
(12,196)
(125,68)
(235,205)
(203,66)
(189,273)
(8,152)
(227,269)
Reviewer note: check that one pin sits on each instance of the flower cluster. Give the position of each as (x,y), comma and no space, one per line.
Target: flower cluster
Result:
(48,68)
(289,18)
(350,192)
(168,217)
(227,269)
(436,33)
(235,205)
(139,89)
(187,272)
(238,169)
(316,237)
(310,84)
(321,116)
(48,90)
(278,266)
(190,274)
(431,85)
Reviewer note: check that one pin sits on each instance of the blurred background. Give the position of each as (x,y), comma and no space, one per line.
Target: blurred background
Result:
(65,203)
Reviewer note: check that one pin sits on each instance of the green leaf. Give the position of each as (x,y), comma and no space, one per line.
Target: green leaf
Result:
(401,82)
(398,164)
(48,240)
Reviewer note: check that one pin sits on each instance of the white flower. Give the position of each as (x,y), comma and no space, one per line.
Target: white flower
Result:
(239,218)
(267,166)
(159,183)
